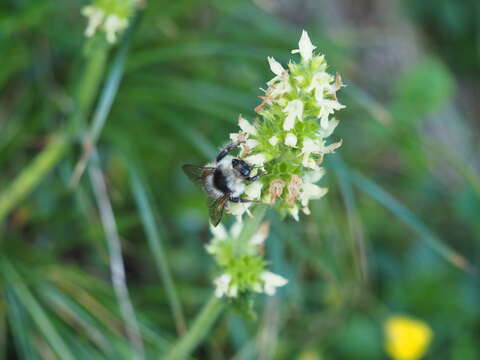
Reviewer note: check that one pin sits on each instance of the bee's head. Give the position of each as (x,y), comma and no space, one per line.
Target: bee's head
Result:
(242,167)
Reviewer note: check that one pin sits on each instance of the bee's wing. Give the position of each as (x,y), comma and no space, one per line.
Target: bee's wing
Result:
(197,173)
(216,206)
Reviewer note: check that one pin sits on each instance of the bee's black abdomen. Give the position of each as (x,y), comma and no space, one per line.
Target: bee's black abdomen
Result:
(220,181)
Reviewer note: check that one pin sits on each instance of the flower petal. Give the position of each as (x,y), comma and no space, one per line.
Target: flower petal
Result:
(275,66)
(257,159)
(254,190)
(237,209)
(291,140)
(272,281)
(305,47)
(221,284)
(259,237)
(246,126)
(218,232)
(311,191)
(273,140)
(294,110)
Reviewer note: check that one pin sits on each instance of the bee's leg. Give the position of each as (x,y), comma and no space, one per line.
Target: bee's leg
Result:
(256,177)
(253,178)
(237,199)
(226,150)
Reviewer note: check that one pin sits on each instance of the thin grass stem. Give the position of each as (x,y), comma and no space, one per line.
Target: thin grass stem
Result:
(155,242)
(117,266)
(105,103)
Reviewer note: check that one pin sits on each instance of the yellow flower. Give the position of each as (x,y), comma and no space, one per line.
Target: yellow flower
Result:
(406,338)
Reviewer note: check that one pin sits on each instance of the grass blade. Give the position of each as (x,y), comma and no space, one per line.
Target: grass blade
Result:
(154,241)
(359,248)
(32,175)
(36,311)
(412,221)
(19,325)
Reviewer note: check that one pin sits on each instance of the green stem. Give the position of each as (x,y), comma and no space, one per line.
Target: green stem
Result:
(39,167)
(197,332)
(87,90)
(250,227)
(30,176)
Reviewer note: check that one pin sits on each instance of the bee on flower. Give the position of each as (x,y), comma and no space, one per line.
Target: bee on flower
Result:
(278,163)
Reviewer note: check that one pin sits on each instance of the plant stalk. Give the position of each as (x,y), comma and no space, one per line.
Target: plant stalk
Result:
(198,331)
(41,165)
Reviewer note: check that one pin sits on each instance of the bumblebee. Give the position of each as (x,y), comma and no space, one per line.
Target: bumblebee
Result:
(222,180)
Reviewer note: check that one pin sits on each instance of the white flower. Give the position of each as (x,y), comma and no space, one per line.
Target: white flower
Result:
(246,126)
(221,284)
(271,282)
(254,190)
(294,212)
(305,47)
(327,107)
(218,232)
(238,209)
(273,140)
(95,17)
(294,110)
(300,79)
(236,136)
(311,192)
(310,146)
(328,130)
(314,175)
(275,66)
(257,159)
(251,143)
(291,140)
(320,82)
(332,147)
(236,229)
(219,235)
(278,86)
(113,25)
(259,237)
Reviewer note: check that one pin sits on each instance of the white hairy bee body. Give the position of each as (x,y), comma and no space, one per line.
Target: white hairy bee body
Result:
(233,180)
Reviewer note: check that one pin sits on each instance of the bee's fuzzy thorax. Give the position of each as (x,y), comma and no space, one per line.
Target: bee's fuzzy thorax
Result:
(224,179)
(233,180)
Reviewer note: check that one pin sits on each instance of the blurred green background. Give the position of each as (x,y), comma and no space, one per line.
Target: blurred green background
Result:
(398,232)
